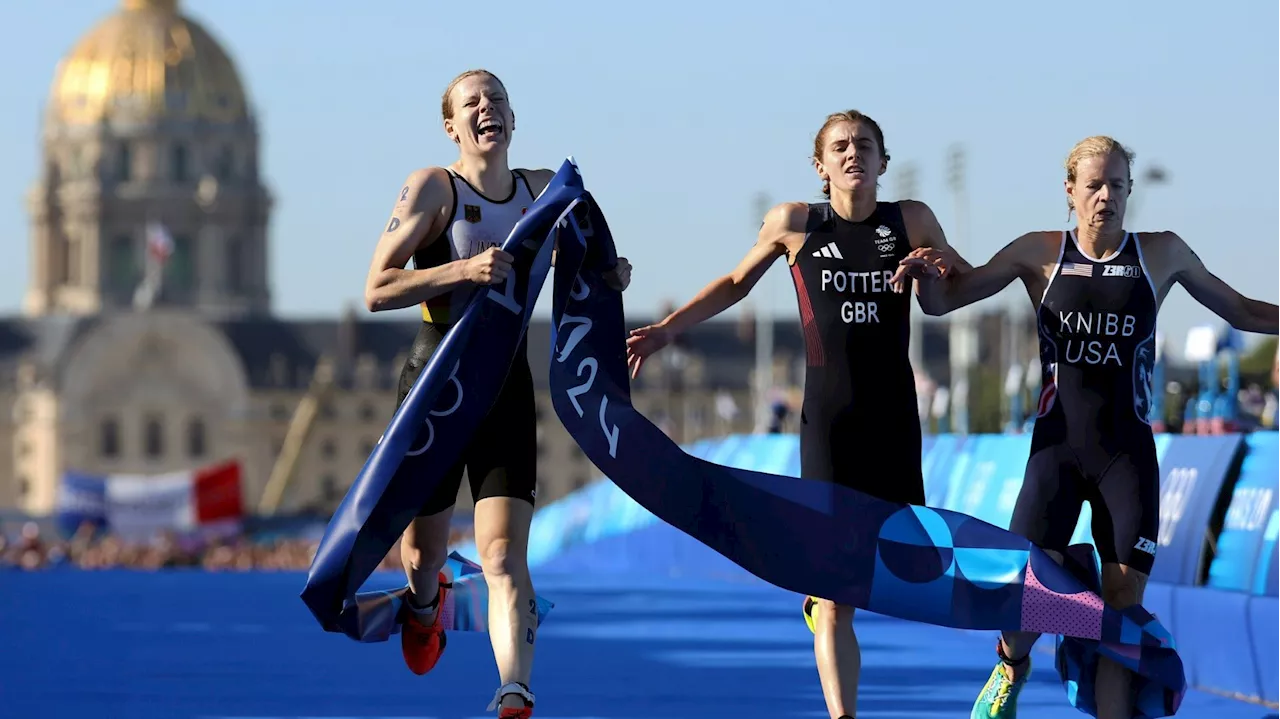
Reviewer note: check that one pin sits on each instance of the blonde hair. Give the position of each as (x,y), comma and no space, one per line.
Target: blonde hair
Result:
(446,101)
(1096,146)
(837,118)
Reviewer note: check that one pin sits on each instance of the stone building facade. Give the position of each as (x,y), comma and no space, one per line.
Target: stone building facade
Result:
(148,125)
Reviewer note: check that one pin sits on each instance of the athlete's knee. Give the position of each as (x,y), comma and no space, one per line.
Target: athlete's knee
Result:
(425,543)
(1122,586)
(424,562)
(1122,596)
(501,559)
(502,534)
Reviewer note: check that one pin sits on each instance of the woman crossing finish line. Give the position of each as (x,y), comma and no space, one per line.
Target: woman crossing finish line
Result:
(859,398)
(1096,291)
(451,222)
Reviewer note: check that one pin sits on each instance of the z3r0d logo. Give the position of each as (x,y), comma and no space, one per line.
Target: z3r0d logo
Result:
(1130,271)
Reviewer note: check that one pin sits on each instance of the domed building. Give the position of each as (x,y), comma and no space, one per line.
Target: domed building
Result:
(148,123)
(147,343)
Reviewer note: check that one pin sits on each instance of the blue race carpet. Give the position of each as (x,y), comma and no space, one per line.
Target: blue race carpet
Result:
(174,645)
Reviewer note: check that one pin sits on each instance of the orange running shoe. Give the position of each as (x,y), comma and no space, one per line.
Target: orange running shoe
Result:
(422,644)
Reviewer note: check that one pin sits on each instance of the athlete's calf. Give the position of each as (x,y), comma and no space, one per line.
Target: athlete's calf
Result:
(1122,587)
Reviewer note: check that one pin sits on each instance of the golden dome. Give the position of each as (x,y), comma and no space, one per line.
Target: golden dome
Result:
(145,63)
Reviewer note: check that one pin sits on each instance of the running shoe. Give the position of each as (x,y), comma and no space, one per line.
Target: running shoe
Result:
(810,606)
(518,688)
(422,644)
(999,698)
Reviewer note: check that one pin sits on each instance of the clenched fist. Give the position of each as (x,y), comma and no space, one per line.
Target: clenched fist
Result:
(489,267)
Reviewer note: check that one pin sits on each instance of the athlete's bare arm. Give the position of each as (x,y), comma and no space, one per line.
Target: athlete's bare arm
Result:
(1170,260)
(418,219)
(782,234)
(1029,258)
(924,230)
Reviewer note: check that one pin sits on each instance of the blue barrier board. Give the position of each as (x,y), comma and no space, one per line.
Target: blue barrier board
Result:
(1158,599)
(1211,645)
(926,444)
(1264,631)
(986,477)
(1268,582)
(1239,564)
(937,467)
(1191,479)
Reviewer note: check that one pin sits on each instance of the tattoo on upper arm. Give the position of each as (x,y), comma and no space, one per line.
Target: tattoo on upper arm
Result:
(393,225)
(404,195)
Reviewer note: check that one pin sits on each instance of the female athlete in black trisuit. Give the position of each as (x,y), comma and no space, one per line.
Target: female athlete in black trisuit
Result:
(450,222)
(1096,291)
(860,398)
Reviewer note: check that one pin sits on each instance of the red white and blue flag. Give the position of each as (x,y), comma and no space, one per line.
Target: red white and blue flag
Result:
(205,500)
(1077,269)
(159,249)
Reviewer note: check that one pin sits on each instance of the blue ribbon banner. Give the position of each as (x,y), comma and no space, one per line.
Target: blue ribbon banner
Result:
(427,435)
(814,538)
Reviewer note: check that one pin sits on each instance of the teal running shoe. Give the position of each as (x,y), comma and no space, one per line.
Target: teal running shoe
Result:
(999,698)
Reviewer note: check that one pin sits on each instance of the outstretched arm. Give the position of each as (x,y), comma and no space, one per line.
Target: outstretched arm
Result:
(723,292)
(925,231)
(726,291)
(1244,314)
(959,289)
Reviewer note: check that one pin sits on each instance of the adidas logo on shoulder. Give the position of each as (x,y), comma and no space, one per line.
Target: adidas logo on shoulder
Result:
(829,250)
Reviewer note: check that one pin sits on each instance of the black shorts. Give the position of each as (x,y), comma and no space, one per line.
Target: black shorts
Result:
(1123,491)
(501,459)
(876,454)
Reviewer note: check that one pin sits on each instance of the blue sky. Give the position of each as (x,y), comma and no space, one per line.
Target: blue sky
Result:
(680,114)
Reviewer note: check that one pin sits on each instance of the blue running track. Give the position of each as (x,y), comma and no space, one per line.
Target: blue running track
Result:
(171,645)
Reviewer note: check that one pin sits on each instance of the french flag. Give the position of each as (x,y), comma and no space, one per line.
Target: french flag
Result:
(206,500)
(159,243)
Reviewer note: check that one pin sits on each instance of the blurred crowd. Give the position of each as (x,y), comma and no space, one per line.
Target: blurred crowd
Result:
(1259,408)
(90,549)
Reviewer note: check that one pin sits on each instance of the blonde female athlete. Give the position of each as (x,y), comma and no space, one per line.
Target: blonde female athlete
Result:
(451,222)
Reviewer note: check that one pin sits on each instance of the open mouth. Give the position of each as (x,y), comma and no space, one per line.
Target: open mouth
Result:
(489,128)
(853,171)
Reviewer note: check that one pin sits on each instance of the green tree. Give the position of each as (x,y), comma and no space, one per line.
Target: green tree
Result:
(986,400)
(1258,361)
